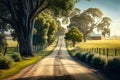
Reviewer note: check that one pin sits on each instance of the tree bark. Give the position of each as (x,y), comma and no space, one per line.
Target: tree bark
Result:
(25,39)
(73,43)
(25,47)
(84,37)
(22,20)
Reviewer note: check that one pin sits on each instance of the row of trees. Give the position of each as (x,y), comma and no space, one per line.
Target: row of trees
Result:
(89,20)
(21,14)
(83,24)
(46,27)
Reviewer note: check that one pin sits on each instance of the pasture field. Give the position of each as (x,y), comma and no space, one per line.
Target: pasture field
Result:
(99,44)
(12,43)
(103,47)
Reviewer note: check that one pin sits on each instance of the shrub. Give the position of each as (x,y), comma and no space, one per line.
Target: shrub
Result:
(5,62)
(113,65)
(96,62)
(83,56)
(89,58)
(99,62)
(77,55)
(16,57)
(103,62)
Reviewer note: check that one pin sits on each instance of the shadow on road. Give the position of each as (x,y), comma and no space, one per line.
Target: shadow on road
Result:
(65,77)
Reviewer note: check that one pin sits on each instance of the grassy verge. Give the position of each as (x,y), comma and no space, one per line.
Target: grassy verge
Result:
(18,66)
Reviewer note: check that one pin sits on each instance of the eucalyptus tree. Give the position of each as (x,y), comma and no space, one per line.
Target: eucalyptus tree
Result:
(20,14)
(90,19)
(46,27)
(74,35)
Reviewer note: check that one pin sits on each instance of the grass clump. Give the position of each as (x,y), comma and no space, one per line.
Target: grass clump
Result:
(89,58)
(16,57)
(113,65)
(19,65)
(5,62)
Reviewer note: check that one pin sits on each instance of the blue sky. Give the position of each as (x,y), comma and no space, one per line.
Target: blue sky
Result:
(110,8)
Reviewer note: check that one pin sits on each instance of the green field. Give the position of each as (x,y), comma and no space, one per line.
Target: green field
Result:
(12,43)
(100,44)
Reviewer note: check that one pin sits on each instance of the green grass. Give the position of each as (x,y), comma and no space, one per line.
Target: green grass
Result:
(12,43)
(18,66)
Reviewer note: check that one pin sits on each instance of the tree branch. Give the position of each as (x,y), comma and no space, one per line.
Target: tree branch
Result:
(38,11)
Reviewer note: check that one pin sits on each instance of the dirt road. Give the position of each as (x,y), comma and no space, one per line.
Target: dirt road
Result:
(58,66)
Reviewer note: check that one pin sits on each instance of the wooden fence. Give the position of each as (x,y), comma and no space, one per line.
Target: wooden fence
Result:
(103,51)
(16,49)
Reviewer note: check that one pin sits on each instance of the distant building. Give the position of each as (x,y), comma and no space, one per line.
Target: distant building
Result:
(95,36)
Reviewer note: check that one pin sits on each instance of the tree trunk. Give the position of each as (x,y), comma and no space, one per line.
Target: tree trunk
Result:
(25,37)
(25,47)
(73,43)
(84,37)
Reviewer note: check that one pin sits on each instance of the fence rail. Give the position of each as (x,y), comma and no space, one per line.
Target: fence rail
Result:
(34,49)
(103,51)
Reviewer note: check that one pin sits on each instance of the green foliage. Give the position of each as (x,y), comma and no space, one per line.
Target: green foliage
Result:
(87,21)
(20,14)
(89,58)
(16,57)
(61,7)
(77,55)
(83,56)
(113,65)
(46,28)
(74,35)
(5,62)
(96,62)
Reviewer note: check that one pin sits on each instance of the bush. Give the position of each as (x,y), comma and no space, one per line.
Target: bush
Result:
(103,62)
(89,58)
(96,62)
(99,62)
(16,57)
(83,57)
(77,55)
(5,62)
(113,65)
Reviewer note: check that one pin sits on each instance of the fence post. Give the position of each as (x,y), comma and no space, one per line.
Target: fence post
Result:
(103,51)
(107,52)
(99,51)
(115,52)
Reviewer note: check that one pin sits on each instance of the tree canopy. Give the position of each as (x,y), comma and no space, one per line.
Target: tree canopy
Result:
(74,35)
(21,14)
(90,19)
(46,28)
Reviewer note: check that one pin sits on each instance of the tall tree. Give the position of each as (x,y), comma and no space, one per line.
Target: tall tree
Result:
(74,35)
(46,28)
(90,19)
(20,14)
